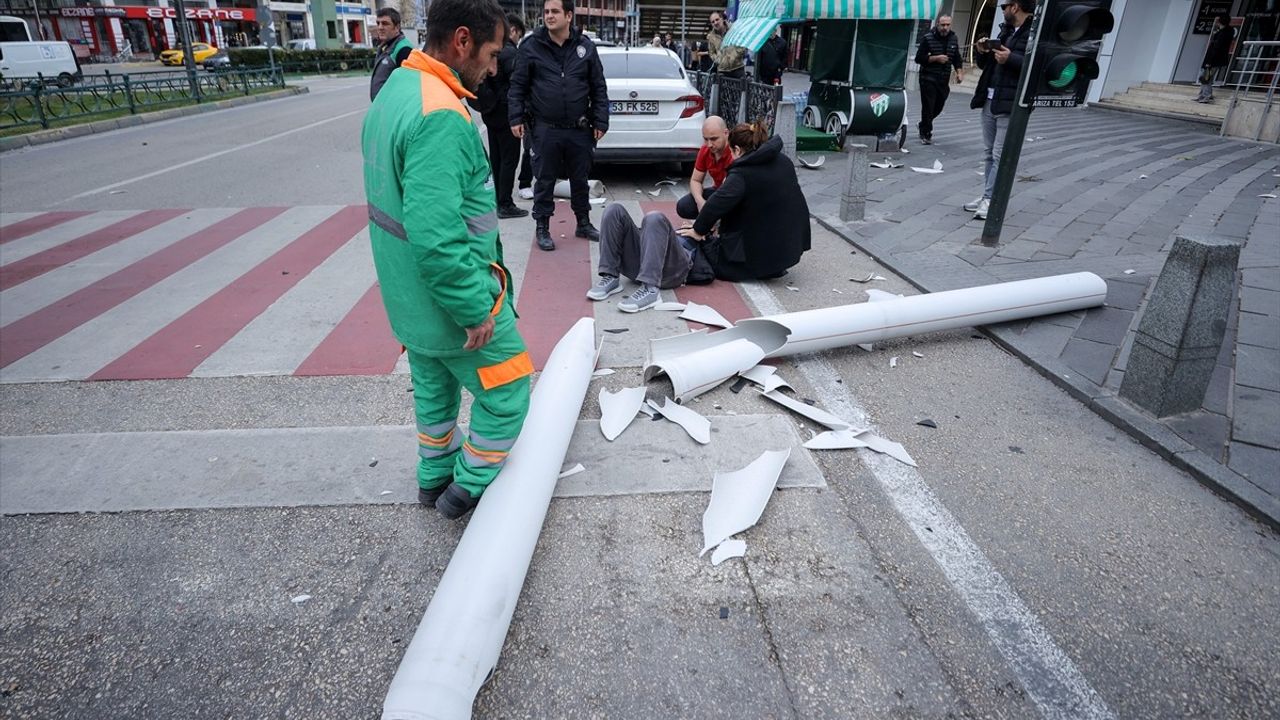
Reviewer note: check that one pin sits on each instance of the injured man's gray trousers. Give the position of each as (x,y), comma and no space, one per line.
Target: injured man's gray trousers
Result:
(651,254)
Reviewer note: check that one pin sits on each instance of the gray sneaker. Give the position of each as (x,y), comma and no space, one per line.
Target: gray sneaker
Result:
(607,285)
(981,212)
(643,298)
(973,206)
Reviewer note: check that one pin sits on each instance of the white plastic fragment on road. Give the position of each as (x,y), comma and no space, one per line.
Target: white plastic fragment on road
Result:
(299,599)
(885,164)
(729,549)
(867,278)
(1130,272)
(385,492)
(814,165)
(656,193)
(815,414)
(919,355)
(835,440)
(893,361)
(793,288)
(869,347)
(598,201)
(648,411)
(937,168)
(602,372)
(696,372)
(738,498)
(698,427)
(571,471)
(888,447)
(1270,196)
(877,295)
(669,306)
(704,314)
(767,377)
(618,409)
(668,181)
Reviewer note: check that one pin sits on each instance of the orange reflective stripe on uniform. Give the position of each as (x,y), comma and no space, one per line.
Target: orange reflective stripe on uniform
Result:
(508,370)
(497,304)
(438,440)
(436,96)
(490,452)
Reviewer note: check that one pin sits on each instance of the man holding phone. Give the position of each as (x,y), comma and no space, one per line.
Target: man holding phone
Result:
(997,91)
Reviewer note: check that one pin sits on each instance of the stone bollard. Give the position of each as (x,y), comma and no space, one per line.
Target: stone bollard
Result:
(784,126)
(1178,339)
(853,203)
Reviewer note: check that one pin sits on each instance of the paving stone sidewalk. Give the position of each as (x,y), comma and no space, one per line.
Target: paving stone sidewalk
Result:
(1103,192)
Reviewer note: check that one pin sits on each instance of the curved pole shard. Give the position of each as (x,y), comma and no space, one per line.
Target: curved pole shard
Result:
(458,642)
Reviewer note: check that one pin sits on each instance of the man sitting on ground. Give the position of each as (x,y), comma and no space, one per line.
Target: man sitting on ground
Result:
(652,255)
(714,158)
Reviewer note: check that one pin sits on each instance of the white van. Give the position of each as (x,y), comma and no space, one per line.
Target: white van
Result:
(20,57)
(302,44)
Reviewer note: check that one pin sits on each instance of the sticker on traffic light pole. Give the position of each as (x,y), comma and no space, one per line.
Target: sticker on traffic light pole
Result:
(1066,54)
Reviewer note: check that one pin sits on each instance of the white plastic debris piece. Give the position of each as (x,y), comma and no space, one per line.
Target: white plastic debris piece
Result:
(598,201)
(937,168)
(835,440)
(648,411)
(919,355)
(893,361)
(813,164)
(1142,177)
(738,498)
(704,314)
(698,427)
(572,471)
(669,306)
(1268,195)
(759,374)
(299,599)
(815,414)
(869,277)
(869,347)
(1129,272)
(668,181)
(838,292)
(618,409)
(728,549)
(793,288)
(656,193)
(696,372)
(885,164)
(602,372)
(877,295)
(888,447)
(385,492)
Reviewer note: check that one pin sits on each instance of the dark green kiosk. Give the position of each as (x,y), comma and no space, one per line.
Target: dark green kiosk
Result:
(859,63)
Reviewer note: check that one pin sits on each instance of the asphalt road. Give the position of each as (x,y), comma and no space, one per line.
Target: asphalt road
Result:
(1037,563)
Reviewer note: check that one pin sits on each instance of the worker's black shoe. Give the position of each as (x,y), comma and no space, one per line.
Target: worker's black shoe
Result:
(428,497)
(510,210)
(455,502)
(587,230)
(543,234)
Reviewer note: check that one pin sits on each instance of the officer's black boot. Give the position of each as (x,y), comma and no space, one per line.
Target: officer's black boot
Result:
(586,229)
(543,234)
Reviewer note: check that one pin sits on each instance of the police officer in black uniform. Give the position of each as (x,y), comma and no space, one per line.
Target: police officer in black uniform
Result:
(558,93)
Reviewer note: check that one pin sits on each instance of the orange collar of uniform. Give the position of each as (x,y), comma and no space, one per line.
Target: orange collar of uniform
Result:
(423,62)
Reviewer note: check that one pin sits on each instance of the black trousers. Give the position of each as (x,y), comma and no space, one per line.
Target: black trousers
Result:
(687,207)
(526,163)
(504,153)
(561,153)
(933,95)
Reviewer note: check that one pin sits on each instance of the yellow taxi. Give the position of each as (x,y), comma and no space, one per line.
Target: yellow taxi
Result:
(202,51)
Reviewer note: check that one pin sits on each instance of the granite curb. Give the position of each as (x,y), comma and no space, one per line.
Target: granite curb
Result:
(100,126)
(1104,402)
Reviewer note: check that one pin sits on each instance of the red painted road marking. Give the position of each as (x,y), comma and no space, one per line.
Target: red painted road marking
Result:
(42,262)
(25,336)
(23,228)
(361,344)
(554,292)
(721,295)
(179,348)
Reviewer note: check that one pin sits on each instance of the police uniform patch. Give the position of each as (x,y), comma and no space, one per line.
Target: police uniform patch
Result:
(582,52)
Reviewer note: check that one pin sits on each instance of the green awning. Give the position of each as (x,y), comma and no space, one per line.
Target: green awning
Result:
(758,18)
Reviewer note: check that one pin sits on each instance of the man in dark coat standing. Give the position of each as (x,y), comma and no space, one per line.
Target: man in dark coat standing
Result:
(938,54)
(772,58)
(1217,56)
(1001,62)
(504,147)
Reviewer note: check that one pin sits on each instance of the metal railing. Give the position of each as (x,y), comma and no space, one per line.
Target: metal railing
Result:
(1254,74)
(32,103)
(738,99)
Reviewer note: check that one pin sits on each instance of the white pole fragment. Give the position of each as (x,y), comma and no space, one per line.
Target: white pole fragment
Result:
(869,322)
(458,642)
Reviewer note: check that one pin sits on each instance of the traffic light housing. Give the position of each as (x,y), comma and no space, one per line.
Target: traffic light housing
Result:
(1066,53)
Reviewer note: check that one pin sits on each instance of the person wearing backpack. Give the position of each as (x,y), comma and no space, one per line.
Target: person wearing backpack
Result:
(393,49)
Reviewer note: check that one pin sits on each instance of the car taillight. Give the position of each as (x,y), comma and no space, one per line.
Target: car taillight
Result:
(693,105)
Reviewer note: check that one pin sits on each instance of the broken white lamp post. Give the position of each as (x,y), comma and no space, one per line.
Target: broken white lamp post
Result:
(698,361)
(458,642)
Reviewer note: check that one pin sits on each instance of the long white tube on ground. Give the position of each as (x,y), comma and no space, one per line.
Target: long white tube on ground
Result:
(868,322)
(461,634)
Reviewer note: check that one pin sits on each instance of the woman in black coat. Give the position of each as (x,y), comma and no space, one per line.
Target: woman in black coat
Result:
(763,216)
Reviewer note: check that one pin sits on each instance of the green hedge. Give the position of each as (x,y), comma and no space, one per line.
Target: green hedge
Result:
(258,58)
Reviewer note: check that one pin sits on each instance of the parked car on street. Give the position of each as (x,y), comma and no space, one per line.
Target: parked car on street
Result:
(201,51)
(655,112)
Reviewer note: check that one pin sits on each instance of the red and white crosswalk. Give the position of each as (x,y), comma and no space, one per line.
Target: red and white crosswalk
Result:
(216,292)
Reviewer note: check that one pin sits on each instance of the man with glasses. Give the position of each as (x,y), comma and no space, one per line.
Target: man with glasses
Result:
(938,54)
(713,159)
(393,49)
(1001,63)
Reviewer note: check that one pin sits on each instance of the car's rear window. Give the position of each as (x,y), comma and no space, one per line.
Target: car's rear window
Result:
(638,65)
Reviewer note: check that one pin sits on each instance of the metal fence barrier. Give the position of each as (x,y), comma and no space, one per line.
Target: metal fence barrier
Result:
(1254,73)
(738,99)
(30,102)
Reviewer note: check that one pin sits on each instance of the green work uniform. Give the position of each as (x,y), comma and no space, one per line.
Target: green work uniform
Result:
(434,230)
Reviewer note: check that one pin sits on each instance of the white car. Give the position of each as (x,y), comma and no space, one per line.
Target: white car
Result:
(655,113)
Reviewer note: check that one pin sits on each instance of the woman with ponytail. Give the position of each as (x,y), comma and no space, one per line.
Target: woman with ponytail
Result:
(763,216)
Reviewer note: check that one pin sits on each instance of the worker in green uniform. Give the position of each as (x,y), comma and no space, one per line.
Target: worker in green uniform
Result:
(434,229)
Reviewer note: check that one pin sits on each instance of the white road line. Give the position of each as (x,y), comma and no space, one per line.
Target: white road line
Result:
(208,157)
(1050,678)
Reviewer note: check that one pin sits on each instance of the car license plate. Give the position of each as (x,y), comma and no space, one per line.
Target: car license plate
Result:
(633,107)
